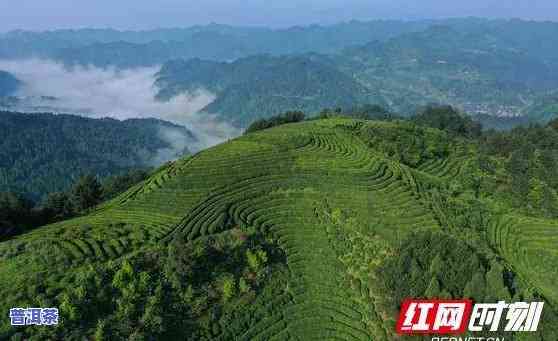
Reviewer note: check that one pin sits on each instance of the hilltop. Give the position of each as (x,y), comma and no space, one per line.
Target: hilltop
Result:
(310,230)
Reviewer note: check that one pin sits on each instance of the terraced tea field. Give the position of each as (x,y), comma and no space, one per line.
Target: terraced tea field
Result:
(530,246)
(334,204)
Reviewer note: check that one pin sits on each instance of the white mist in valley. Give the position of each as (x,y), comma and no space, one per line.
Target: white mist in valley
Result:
(120,94)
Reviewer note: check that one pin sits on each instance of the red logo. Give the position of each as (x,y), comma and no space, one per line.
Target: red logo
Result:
(434,316)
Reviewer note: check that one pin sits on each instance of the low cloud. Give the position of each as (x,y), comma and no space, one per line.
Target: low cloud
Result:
(178,144)
(121,94)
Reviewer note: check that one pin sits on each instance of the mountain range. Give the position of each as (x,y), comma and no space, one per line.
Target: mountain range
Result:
(480,72)
(484,67)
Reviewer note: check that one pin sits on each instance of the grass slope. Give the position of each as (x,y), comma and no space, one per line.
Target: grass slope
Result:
(334,202)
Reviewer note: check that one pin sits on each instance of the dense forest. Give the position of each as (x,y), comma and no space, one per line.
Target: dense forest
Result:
(18,214)
(45,153)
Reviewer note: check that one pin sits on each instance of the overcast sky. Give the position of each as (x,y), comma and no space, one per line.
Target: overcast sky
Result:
(145,14)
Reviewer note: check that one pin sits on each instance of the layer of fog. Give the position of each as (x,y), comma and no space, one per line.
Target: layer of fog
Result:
(120,94)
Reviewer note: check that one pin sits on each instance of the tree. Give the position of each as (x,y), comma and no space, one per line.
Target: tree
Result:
(117,184)
(371,112)
(101,330)
(86,193)
(58,206)
(287,117)
(152,318)
(259,124)
(243,286)
(536,193)
(256,260)
(15,214)
(495,288)
(518,166)
(448,119)
(229,287)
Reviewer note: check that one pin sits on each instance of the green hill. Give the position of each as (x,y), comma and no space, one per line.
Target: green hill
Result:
(45,153)
(263,86)
(306,231)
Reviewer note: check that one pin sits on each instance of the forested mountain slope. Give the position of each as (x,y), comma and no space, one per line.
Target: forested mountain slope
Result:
(307,231)
(262,86)
(44,153)
(479,71)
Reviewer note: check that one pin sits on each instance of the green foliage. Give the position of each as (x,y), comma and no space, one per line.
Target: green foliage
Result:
(407,142)
(16,215)
(495,287)
(448,119)
(229,287)
(476,288)
(100,331)
(58,206)
(243,286)
(529,158)
(19,215)
(86,193)
(117,184)
(433,289)
(371,112)
(46,153)
(288,117)
(430,263)
(256,259)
